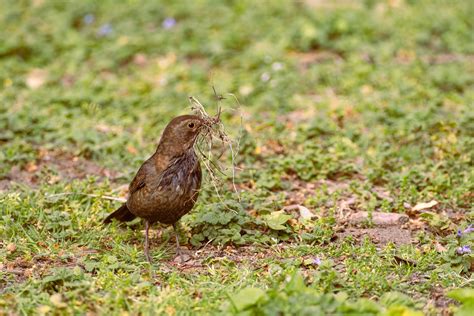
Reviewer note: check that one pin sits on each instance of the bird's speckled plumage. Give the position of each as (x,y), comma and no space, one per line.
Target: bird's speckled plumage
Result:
(167,195)
(167,185)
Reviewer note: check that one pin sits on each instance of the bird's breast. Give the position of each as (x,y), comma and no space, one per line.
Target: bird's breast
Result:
(172,193)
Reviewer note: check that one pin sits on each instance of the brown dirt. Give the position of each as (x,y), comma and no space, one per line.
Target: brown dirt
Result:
(331,4)
(39,266)
(379,235)
(306,59)
(441,301)
(347,206)
(52,167)
(302,190)
(197,260)
(448,58)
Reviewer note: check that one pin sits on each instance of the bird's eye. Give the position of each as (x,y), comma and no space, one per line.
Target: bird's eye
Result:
(191,125)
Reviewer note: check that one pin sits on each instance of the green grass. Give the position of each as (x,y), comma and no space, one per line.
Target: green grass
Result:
(346,106)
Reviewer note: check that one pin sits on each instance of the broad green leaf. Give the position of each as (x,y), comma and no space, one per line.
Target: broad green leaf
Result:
(402,311)
(296,284)
(466,297)
(275,220)
(396,299)
(247,297)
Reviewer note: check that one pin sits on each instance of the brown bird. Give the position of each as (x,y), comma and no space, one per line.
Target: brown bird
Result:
(167,185)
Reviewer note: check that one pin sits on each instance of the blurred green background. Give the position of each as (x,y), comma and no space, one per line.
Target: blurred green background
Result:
(352,98)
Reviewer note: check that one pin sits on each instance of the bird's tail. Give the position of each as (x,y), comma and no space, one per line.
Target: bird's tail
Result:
(122,214)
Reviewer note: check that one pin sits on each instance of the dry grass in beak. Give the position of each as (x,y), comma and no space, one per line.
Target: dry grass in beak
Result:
(214,130)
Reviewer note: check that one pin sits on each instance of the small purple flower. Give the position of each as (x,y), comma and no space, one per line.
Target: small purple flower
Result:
(168,23)
(88,19)
(463,250)
(468,230)
(265,77)
(105,30)
(277,66)
(317,261)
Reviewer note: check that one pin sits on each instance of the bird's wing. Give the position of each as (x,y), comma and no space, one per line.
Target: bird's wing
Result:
(148,174)
(140,178)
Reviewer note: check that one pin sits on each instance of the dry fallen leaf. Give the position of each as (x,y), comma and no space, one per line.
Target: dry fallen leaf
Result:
(132,150)
(54,179)
(11,247)
(140,59)
(31,166)
(43,309)
(170,310)
(36,78)
(305,213)
(424,206)
(245,90)
(416,224)
(166,61)
(439,247)
(57,300)
(346,205)
(28,272)
(292,222)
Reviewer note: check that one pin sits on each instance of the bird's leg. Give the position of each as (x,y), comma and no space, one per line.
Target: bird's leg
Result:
(178,249)
(147,244)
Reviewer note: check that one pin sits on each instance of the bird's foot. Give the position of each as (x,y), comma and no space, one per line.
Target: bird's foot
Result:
(181,257)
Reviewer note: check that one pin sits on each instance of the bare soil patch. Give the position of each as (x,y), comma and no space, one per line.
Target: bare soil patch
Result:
(52,167)
(306,59)
(21,269)
(379,235)
(352,221)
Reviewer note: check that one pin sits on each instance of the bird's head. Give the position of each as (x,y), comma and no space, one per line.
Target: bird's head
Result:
(180,134)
